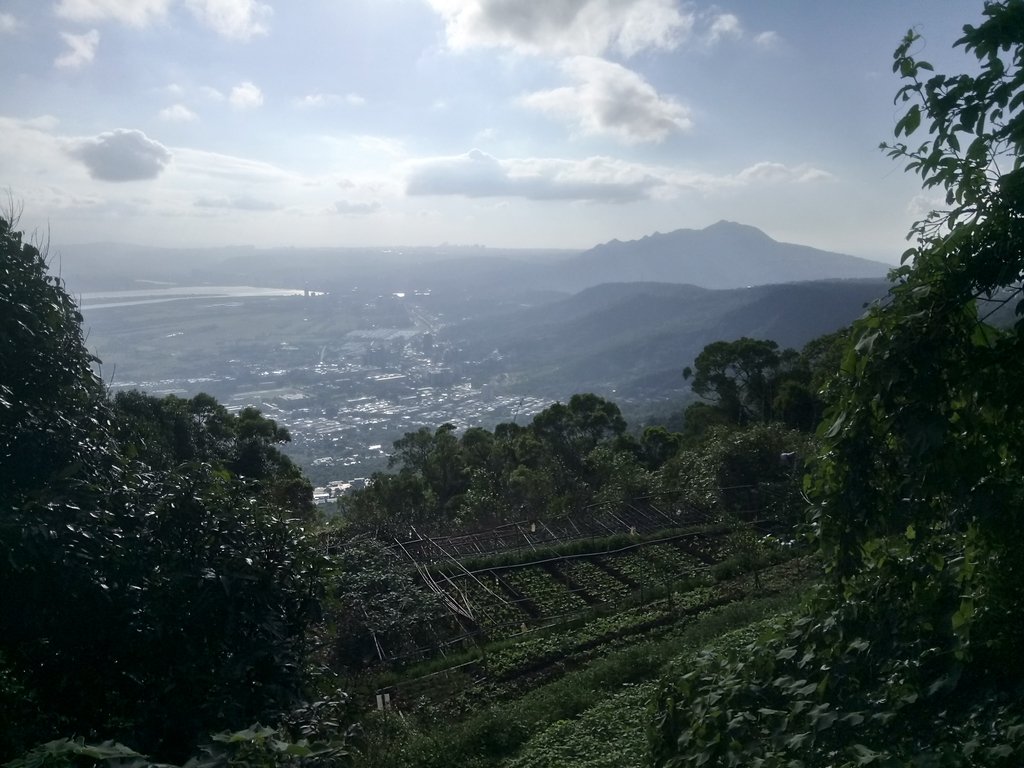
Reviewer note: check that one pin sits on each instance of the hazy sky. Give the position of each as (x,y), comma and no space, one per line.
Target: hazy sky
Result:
(533,123)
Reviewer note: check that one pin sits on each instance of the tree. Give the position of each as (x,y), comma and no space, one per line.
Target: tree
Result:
(148,592)
(920,490)
(738,376)
(910,653)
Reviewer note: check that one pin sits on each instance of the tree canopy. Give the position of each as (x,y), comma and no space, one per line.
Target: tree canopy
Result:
(156,581)
(910,653)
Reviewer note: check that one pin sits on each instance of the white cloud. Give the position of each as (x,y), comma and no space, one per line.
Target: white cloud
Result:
(211,93)
(350,208)
(178,113)
(381,144)
(609,100)
(8,23)
(774,173)
(314,100)
(233,19)
(238,203)
(477,174)
(768,40)
(136,13)
(589,27)
(81,50)
(246,96)
(120,155)
(200,163)
(724,25)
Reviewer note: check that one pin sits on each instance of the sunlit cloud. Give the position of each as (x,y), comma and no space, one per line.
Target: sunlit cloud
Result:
(246,96)
(178,113)
(478,174)
(724,26)
(606,99)
(771,173)
(135,13)
(81,50)
(316,100)
(233,19)
(566,27)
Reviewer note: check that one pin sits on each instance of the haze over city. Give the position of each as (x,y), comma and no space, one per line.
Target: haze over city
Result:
(416,122)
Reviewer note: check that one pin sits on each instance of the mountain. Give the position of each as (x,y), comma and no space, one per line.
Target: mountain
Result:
(632,340)
(723,255)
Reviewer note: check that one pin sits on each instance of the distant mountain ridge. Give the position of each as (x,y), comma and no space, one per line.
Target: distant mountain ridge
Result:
(723,255)
(632,340)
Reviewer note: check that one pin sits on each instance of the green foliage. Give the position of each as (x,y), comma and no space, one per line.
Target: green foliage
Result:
(155,582)
(909,655)
(925,435)
(739,472)
(375,607)
(570,456)
(167,433)
(738,376)
(532,728)
(750,380)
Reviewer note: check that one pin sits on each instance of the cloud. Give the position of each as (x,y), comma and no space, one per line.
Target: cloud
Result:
(178,113)
(81,50)
(200,163)
(724,25)
(135,13)
(477,174)
(233,19)
(348,207)
(312,100)
(8,23)
(246,96)
(609,100)
(768,40)
(120,155)
(315,100)
(586,27)
(775,173)
(211,93)
(238,203)
(380,144)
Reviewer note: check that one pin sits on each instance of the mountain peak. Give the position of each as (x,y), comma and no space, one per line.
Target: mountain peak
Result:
(726,254)
(734,228)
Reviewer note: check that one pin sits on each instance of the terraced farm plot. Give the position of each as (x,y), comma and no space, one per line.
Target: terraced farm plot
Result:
(597,583)
(550,596)
(672,559)
(497,614)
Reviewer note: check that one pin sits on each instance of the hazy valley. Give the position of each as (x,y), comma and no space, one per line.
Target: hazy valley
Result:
(372,344)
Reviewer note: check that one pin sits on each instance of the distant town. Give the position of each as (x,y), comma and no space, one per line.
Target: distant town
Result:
(344,399)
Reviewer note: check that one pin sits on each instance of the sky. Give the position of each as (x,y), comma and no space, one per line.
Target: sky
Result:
(505,123)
